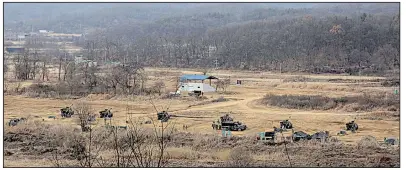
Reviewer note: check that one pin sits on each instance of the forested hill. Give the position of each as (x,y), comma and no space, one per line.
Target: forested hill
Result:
(301,37)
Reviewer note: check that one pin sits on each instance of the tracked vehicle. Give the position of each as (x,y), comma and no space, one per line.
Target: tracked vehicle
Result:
(227,123)
(67,112)
(351,126)
(286,124)
(163,116)
(106,113)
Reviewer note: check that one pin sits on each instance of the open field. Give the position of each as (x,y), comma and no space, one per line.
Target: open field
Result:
(243,104)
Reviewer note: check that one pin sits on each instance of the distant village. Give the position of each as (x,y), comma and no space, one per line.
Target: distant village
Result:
(14,43)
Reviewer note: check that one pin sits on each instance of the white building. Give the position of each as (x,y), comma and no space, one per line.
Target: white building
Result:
(191,87)
(188,86)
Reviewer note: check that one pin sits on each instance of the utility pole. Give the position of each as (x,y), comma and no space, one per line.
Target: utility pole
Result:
(280,71)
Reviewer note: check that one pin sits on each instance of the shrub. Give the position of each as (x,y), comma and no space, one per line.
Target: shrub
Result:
(368,142)
(240,157)
(365,102)
(40,90)
(299,102)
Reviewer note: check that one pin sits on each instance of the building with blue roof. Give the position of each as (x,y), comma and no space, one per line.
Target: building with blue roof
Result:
(191,83)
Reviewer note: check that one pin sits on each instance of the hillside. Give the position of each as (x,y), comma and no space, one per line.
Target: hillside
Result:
(264,36)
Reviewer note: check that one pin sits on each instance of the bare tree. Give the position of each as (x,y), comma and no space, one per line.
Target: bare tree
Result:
(84,112)
(158,86)
(223,84)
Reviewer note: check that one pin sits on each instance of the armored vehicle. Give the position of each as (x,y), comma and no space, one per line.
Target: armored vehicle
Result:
(226,118)
(342,132)
(352,126)
(300,135)
(320,135)
(67,112)
(226,122)
(91,118)
(286,124)
(229,125)
(106,113)
(233,126)
(391,141)
(163,116)
(15,121)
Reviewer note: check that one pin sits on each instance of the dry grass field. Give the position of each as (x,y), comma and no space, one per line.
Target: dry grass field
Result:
(243,104)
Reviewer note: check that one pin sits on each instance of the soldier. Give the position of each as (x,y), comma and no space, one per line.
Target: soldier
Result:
(282,125)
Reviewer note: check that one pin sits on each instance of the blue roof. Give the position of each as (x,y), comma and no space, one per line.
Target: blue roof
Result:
(193,77)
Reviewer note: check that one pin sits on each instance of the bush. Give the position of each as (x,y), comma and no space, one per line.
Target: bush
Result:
(296,79)
(368,142)
(240,157)
(365,102)
(300,102)
(40,90)
(391,82)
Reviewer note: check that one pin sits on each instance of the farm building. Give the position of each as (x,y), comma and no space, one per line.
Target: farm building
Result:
(43,31)
(15,49)
(195,83)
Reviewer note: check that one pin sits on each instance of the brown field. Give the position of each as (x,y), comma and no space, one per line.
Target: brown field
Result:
(243,105)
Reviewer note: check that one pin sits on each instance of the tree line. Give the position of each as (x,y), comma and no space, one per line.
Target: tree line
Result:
(363,42)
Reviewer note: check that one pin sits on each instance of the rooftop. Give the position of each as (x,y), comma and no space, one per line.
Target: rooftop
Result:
(196,77)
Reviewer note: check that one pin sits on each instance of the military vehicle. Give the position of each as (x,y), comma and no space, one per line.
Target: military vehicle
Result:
(67,112)
(320,135)
(227,123)
(163,116)
(106,113)
(15,121)
(286,124)
(91,118)
(342,132)
(391,141)
(233,126)
(266,137)
(352,126)
(300,135)
(278,129)
(226,118)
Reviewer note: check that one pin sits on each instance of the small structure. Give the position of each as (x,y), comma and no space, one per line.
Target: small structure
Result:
(21,37)
(195,83)
(15,49)
(79,59)
(267,137)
